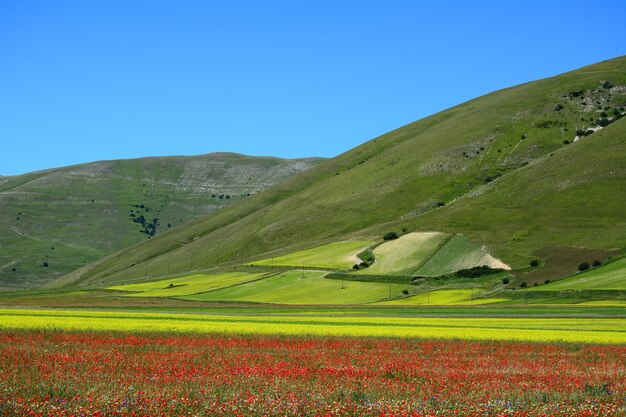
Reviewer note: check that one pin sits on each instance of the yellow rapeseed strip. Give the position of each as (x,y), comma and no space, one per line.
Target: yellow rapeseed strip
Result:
(579,330)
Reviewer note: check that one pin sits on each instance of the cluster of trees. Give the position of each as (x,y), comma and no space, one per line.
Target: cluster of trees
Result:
(476,271)
(586,265)
(367,257)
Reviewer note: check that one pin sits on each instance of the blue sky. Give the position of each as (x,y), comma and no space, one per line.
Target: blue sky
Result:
(90,80)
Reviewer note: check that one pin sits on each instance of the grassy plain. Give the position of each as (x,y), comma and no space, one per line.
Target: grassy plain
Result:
(191,284)
(303,287)
(579,330)
(336,255)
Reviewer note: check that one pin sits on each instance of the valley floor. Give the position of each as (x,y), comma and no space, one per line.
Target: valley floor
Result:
(50,373)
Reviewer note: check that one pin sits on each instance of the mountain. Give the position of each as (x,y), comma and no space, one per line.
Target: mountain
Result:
(534,171)
(54,221)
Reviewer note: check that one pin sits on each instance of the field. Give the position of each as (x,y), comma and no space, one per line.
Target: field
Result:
(445,297)
(303,287)
(457,253)
(116,374)
(186,285)
(606,277)
(404,255)
(579,330)
(336,255)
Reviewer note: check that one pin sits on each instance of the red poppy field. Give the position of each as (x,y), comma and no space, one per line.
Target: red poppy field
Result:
(117,374)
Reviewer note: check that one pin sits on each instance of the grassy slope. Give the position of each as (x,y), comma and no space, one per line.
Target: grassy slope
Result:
(458,253)
(187,285)
(574,197)
(606,277)
(404,255)
(337,255)
(303,287)
(73,215)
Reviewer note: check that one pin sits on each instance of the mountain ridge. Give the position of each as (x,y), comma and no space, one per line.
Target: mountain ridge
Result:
(53,220)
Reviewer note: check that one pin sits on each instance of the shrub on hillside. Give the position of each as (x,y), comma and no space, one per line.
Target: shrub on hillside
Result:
(367,256)
(607,85)
(523,284)
(505,280)
(534,263)
(604,122)
(584,266)
(596,263)
(476,271)
(558,107)
(390,236)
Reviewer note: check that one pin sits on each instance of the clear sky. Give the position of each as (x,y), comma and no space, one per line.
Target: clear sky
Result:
(90,80)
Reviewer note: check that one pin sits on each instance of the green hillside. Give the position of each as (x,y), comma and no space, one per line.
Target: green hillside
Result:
(607,277)
(524,171)
(67,217)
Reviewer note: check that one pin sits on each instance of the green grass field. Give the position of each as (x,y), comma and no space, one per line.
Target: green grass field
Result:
(303,287)
(191,284)
(578,330)
(445,297)
(404,255)
(336,255)
(607,277)
(458,253)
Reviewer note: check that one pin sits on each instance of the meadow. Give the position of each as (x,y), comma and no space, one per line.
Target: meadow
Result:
(115,374)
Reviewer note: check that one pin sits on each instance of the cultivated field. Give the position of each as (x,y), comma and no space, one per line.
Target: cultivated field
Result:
(445,297)
(191,284)
(336,255)
(580,330)
(404,255)
(303,287)
(458,253)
